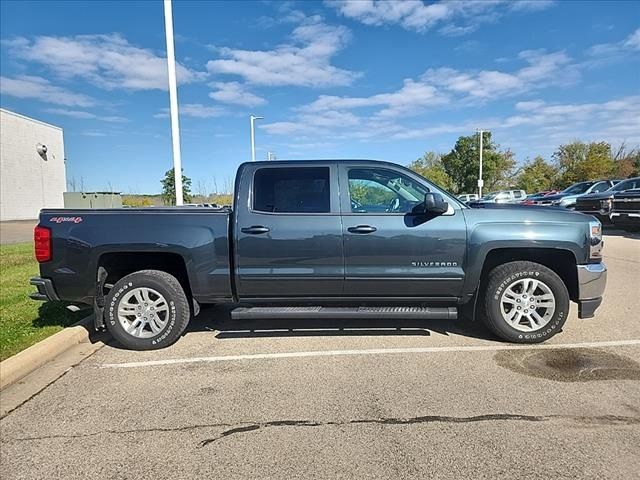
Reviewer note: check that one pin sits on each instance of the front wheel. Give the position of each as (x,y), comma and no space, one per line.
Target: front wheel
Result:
(147,310)
(525,302)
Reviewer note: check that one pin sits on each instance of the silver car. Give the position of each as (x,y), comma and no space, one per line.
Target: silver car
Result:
(504,196)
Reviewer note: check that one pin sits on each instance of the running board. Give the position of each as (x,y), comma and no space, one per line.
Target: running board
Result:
(430,313)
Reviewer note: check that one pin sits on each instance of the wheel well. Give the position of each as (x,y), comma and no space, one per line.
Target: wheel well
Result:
(121,264)
(562,262)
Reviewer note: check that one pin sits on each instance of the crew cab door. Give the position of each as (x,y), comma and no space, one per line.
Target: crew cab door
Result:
(288,235)
(390,251)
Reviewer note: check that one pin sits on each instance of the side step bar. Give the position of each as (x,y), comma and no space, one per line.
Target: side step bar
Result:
(429,313)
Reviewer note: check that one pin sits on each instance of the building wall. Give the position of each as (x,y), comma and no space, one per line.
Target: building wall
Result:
(29,182)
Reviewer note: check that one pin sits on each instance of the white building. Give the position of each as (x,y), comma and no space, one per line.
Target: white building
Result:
(32,170)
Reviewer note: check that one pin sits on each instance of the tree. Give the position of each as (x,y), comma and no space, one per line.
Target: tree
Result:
(537,175)
(430,167)
(463,162)
(627,162)
(169,188)
(579,161)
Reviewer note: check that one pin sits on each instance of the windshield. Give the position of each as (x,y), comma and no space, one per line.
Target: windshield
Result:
(626,185)
(578,188)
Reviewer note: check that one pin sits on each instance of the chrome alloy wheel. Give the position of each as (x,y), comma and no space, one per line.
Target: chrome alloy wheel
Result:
(143,312)
(527,304)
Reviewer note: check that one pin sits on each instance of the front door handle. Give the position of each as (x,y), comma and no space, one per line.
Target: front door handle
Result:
(254,230)
(362,229)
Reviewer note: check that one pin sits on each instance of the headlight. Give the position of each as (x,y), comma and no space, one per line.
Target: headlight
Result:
(595,240)
(605,204)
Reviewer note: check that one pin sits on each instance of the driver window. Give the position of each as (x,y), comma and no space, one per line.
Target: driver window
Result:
(601,187)
(375,190)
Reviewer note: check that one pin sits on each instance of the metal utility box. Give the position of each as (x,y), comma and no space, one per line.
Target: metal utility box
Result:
(92,200)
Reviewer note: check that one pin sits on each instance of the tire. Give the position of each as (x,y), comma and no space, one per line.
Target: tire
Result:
(147,310)
(505,298)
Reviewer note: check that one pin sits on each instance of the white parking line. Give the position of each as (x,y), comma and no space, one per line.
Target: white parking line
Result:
(373,351)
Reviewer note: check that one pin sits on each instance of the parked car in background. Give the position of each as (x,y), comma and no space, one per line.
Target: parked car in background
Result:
(503,196)
(625,212)
(567,197)
(599,204)
(534,197)
(468,197)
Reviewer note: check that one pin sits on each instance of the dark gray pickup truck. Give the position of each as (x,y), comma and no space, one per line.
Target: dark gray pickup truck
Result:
(324,239)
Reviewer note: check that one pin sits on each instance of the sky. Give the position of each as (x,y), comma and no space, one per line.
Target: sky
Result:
(332,79)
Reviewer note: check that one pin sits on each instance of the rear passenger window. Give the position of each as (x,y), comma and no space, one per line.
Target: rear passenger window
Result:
(292,190)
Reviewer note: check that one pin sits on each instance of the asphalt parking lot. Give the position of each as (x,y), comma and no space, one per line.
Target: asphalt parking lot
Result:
(347,400)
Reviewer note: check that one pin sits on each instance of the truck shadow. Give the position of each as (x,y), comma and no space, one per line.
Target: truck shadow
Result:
(218,318)
(614,232)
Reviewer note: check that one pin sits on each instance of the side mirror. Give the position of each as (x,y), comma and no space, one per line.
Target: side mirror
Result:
(435,204)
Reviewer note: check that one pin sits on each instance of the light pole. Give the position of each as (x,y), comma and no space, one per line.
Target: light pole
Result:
(480,180)
(252,119)
(271,156)
(173,101)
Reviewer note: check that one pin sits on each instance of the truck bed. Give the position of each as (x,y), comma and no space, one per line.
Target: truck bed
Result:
(84,238)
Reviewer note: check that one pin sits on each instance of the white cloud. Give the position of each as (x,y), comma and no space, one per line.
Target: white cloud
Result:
(543,69)
(235,93)
(195,110)
(633,40)
(304,61)
(419,16)
(614,121)
(616,49)
(411,98)
(38,88)
(82,114)
(106,61)
(330,114)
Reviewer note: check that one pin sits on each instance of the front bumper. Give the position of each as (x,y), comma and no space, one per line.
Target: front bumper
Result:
(592,279)
(626,219)
(46,292)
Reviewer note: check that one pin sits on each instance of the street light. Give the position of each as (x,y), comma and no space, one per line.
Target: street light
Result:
(173,101)
(252,119)
(480,180)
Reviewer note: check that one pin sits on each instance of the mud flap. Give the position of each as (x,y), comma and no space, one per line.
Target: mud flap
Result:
(98,299)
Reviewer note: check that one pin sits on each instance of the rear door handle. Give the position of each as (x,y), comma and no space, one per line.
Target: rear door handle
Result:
(362,229)
(254,230)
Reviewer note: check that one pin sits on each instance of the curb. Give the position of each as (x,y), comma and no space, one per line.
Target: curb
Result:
(23,363)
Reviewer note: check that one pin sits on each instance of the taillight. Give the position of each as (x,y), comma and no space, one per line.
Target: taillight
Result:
(42,243)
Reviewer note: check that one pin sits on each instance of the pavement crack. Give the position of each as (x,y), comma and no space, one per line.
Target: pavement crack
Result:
(590,420)
(249,427)
(124,432)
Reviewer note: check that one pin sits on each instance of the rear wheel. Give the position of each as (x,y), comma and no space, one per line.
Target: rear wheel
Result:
(525,302)
(147,310)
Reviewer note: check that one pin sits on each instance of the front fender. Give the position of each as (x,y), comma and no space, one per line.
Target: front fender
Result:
(485,237)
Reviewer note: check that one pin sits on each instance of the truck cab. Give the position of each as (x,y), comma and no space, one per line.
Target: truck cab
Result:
(344,229)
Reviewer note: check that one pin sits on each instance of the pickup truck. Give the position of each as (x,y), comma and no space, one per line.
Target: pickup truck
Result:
(625,211)
(324,239)
(600,204)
